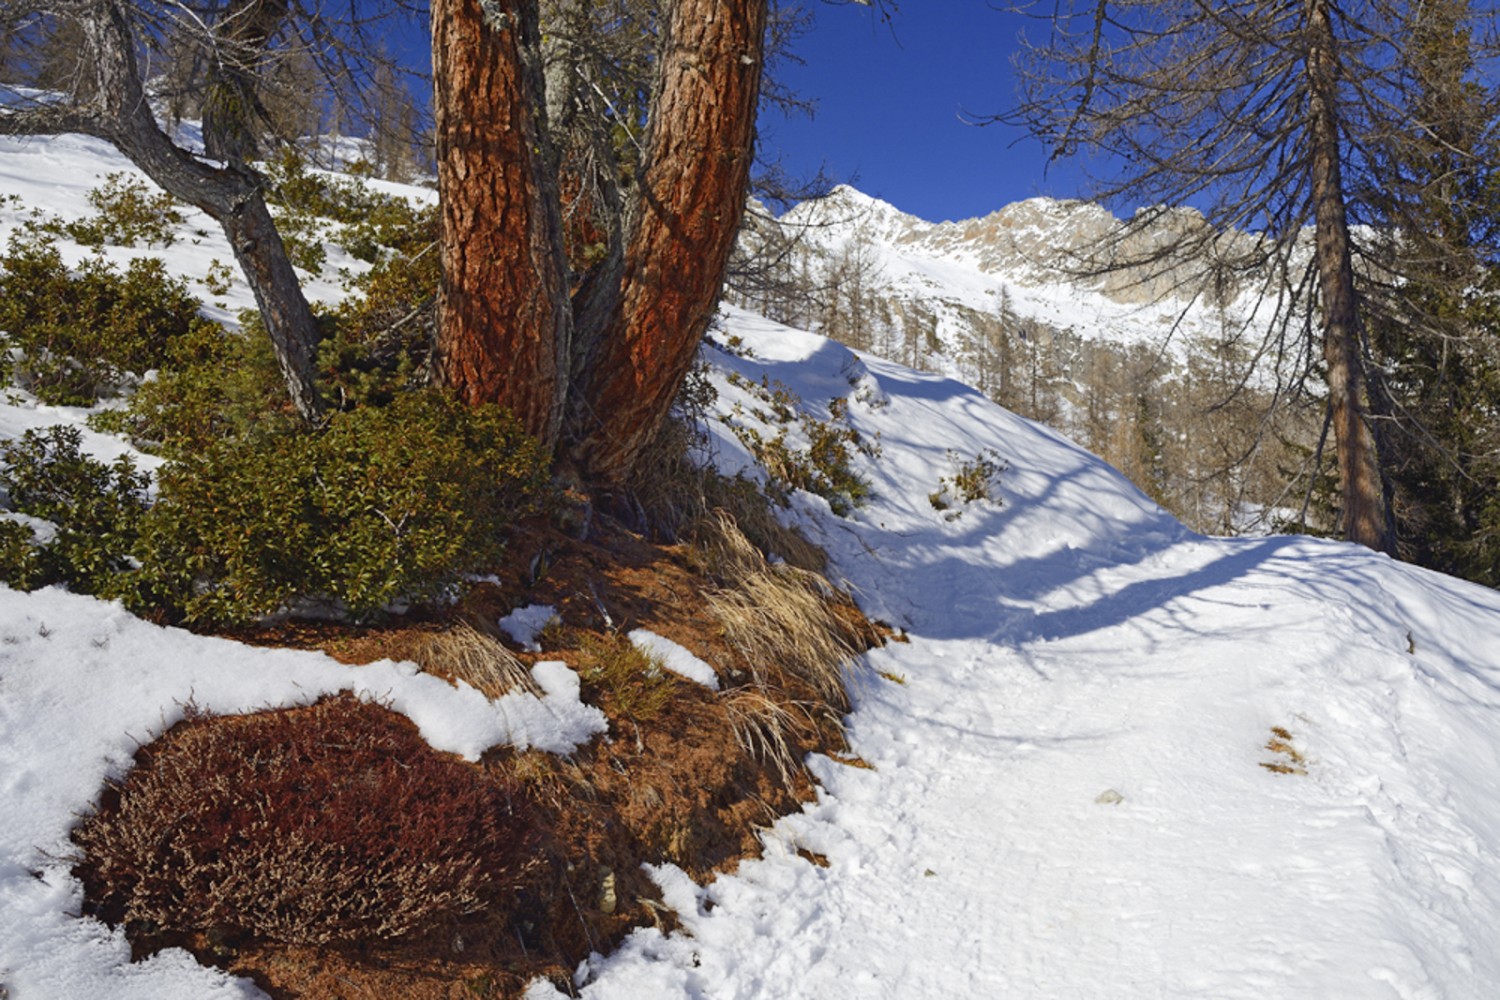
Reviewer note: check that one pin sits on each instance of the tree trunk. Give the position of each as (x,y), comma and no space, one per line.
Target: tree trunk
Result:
(122,115)
(503,312)
(1363,493)
(692,195)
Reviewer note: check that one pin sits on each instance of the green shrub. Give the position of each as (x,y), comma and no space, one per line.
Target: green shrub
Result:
(127,212)
(220,277)
(386,505)
(332,824)
(21,562)
(972,481)
(95,508)
(370,223)
(381,334)
(303,237)
(214,384)
(824,466)
(81,333)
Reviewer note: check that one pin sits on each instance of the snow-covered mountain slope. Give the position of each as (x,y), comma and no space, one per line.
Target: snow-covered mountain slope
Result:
(1026,260)
(1068,794)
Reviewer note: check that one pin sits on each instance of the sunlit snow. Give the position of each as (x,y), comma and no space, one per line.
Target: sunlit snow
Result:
(1068,795)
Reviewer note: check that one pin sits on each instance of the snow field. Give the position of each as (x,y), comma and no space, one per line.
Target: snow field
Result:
(1066,796)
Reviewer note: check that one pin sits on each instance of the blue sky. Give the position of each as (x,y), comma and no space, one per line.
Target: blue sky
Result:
(890,99)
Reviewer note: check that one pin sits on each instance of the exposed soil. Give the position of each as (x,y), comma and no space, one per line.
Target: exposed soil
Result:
(672,780)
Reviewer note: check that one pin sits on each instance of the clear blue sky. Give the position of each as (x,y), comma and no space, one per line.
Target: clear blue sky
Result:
(889,103)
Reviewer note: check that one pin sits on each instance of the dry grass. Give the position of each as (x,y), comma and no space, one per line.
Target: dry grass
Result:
(463,653)
(633,682)
(768,730)
(1292,760)
(755,517)
(777,615)
(677,497)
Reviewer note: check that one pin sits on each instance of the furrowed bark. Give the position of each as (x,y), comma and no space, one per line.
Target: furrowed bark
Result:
(1363,492)
(503,314)
(692,194)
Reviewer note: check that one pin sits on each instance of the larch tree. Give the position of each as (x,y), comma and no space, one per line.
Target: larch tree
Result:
(589,361)
(103,94)
(1268,117)
(592,181)
(1434,331)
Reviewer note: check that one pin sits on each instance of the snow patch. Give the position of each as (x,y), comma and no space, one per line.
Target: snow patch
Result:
(523,625)
(676,658)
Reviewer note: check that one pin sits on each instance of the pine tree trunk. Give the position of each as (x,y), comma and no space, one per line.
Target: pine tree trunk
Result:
(692,195)
(503,314)
(1363,493)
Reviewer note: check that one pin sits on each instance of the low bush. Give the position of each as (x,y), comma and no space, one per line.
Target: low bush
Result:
(972,481)
(381,334)
(95,512)
(824,466)
(215,385)
(370,223)
(334,823)
(387,505)
(127,212)
(80,333)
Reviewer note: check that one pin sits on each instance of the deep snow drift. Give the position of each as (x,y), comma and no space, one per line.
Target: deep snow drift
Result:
(1067,796)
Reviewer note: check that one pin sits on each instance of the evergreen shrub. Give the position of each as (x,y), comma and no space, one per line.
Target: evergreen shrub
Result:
(95,511)
(127,212)
(379,338)
(386,506)
(214,384)
(78,335)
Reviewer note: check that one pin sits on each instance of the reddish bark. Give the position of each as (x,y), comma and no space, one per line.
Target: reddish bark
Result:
(503,315)
(1365,515)
(692,194)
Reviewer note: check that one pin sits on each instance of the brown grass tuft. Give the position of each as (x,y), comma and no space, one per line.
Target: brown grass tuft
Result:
(633,683)
(677,495)
(463,653)
(768,730)
(1292,761)
(777,616)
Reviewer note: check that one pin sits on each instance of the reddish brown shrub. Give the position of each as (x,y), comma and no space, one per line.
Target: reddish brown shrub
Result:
(335,823)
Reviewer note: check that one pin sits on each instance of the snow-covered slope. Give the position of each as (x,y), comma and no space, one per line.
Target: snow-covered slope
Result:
(1067,797)
(1029,260)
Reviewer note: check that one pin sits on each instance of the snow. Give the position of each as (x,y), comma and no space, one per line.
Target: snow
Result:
(676,658)
(1066,797)
(523,625)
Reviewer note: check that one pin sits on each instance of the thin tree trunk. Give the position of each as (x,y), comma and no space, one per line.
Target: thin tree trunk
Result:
(1365,519)
(587,169)
(692,195)
(122,116)
(503,313)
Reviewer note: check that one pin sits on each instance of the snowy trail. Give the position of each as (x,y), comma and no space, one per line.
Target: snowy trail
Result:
(1066,796)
